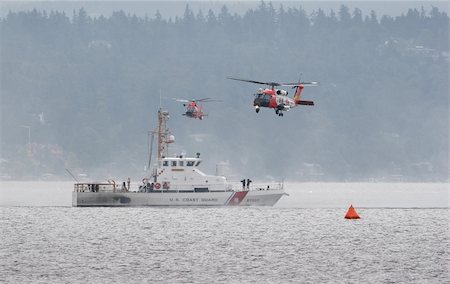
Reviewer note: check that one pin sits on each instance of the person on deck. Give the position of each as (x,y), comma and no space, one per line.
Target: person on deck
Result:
(243,183)
(248,183)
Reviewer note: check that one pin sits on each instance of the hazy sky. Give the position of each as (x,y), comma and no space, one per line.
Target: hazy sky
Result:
(171,8)
(372,138)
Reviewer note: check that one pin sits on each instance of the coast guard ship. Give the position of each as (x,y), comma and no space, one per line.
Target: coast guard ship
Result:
(176,181)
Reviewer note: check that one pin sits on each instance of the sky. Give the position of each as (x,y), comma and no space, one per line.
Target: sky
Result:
(171,8)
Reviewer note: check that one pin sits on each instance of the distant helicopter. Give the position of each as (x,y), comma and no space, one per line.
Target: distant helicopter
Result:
(194,110)
(277,98)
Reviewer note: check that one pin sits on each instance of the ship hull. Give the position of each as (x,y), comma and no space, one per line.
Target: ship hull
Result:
(262,198)
(142,199)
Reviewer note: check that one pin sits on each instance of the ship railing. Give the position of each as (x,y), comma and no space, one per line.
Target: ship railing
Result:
(192,187)
(97,187)
(233,186)
(257,186)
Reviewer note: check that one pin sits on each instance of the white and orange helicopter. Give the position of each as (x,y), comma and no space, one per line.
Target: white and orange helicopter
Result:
(276,98)
(193,109)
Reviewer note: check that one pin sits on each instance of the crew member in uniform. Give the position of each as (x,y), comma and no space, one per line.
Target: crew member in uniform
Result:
(249,181)
(243,183)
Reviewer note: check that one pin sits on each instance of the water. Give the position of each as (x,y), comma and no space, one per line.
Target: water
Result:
(297,241)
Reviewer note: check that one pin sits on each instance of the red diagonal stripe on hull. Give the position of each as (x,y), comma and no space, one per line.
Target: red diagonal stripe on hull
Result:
(237,198)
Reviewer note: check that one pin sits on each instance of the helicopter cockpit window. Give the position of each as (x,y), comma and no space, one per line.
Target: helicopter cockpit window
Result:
(165,163)
(263,97)
(190,163)
(174,163)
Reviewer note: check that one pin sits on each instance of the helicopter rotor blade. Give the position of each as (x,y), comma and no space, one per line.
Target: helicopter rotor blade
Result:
(311,84)
(201,100)
(207,100)
(273,84)
(181,100)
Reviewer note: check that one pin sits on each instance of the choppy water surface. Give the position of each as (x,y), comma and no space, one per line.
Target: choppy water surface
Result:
(293,242)
(203,245)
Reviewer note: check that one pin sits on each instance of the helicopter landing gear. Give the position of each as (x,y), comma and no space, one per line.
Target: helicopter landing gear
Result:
(279,112)
(257,108)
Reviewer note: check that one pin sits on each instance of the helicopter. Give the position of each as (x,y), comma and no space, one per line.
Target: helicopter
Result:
(276,98)
(194,110)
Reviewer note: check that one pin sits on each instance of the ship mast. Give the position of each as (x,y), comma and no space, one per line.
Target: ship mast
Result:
(164,137)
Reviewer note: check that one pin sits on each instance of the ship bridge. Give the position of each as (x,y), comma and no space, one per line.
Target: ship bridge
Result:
(180,171)
(179,162)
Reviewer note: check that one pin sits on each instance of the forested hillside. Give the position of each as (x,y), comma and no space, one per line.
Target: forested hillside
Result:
(87,89)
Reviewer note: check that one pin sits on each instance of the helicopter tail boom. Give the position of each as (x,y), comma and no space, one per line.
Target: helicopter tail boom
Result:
(297,97)
(304,103)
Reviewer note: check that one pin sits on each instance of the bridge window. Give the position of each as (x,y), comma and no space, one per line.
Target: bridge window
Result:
(174,163)
(201,189)
(198,163)
(190,163)
(181,163)
(165,163)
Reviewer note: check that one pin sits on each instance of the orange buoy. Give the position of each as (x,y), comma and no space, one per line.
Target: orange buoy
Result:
(351,213)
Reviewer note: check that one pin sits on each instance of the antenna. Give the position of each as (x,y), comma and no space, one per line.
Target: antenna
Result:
(72,175)
(160,98)
(150,149)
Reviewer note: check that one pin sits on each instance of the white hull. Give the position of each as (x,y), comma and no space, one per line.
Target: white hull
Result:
(262,198)
(140,199)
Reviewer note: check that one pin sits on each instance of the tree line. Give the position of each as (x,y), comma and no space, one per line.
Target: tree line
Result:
(89,87)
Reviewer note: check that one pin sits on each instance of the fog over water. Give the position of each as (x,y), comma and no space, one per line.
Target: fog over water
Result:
(301,195)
